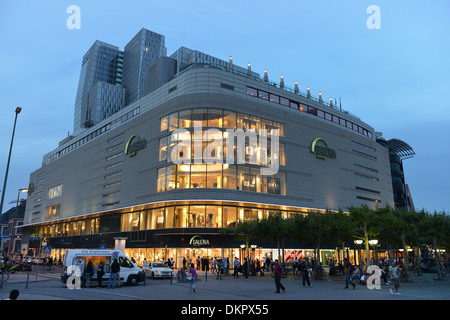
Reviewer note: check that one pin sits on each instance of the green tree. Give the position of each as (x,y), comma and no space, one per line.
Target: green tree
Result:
(319,227)
(367,224)
(436,230)
(404,227)
(244,231)
(342,229)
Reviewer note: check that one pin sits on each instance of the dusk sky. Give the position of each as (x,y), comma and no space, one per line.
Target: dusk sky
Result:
(395,78)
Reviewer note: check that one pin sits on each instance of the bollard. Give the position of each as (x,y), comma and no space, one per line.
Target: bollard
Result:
(206,275)
(1,282)
(28,277)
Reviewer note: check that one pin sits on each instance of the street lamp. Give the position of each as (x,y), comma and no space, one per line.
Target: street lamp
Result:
(18,109)
(359,242)
(374,243)
(12,241)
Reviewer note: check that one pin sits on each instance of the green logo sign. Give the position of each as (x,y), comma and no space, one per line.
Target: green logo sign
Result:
(320,148)
(198,241)
(134,144)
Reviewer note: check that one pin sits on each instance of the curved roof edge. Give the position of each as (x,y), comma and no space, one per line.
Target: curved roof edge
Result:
(401,148)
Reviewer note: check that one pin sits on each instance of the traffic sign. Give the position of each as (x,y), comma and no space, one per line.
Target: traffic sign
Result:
(102,246)
(47,249)
(4,236)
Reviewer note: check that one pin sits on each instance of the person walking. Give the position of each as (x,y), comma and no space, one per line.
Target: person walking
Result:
(295,266)
(214,266)
(348,270)
(393,272)
(193,273)
(268,263)
(277,271)
(245,268)
(89,273)
(114,269)
(236,268)
(219,269)
(100,273)
(305,273)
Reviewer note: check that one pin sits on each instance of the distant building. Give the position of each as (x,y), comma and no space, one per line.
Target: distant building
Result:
(10,220)
(100,92)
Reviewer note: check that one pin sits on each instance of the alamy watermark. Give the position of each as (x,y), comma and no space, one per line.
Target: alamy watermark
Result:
(74,280)
(189,147)
(74,20)
(374,20)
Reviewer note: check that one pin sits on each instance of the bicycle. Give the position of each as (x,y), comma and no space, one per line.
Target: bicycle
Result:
(50,268)
(318,274)
(181,276)
(4,275)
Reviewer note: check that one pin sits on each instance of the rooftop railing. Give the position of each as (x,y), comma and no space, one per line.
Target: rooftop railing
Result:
(251,75)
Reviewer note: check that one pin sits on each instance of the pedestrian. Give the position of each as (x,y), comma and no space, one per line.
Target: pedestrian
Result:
(268,264)
(305,273)
(214,266)
(236,268)
(277,271)
(393,272)
(348,270)
(356,274)
(227,267)
(245,268)
(295,266)
(89,273)
(198,263)
(114,269)
(100,273)
(193,273)
(219,269)
(13,295)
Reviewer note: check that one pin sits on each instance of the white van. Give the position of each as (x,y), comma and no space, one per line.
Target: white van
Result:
(130,273)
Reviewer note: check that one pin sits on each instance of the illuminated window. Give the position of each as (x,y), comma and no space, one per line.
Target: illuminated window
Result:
(52,211)
(54,192)
(164,123)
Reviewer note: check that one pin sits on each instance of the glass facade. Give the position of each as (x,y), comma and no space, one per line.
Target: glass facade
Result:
(221,176)
(180,216)
(218,118)
(212,172)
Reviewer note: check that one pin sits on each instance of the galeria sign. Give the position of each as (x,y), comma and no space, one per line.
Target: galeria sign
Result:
(134,144)
(321,150)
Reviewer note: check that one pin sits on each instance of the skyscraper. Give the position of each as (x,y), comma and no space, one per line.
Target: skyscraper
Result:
(141,52)
(110,78)
(99,89)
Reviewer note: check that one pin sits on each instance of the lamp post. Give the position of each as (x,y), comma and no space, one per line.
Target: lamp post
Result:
(374,243)
(12,246)
(359,242)
(18,109)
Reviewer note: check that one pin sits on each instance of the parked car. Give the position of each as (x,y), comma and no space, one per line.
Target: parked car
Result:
(28,259)
(37,260)
(157,270)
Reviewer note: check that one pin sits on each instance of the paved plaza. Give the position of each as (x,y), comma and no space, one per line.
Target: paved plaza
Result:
(47,286)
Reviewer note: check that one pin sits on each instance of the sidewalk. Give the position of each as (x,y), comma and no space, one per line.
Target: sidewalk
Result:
(49,287)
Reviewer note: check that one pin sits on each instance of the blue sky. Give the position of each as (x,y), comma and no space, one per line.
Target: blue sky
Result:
(397,78)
